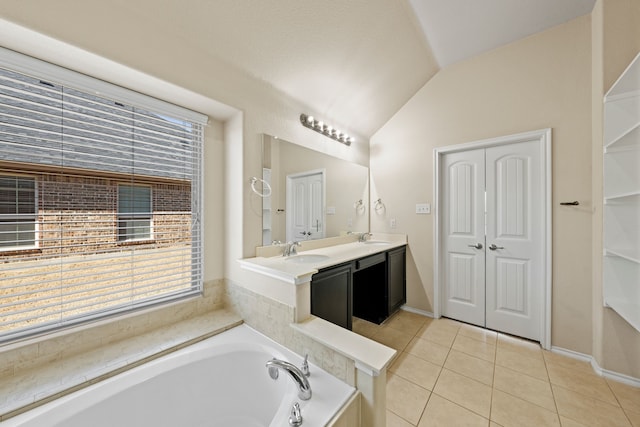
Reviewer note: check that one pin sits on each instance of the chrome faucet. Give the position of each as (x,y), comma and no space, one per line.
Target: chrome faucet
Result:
(290,248)
(363,237)
(304,388)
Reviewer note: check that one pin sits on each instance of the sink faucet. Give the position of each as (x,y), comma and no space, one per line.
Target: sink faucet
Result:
(290,248)
(304,388)
(363,237)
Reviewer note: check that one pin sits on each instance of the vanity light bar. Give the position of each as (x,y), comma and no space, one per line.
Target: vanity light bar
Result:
(328,131)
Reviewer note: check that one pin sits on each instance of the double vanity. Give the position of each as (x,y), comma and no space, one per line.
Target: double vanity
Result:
(366,279)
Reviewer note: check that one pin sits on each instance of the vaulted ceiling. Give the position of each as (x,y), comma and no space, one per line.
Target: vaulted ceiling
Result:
(355,62)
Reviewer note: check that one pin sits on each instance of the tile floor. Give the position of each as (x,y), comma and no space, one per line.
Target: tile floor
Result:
(449,373)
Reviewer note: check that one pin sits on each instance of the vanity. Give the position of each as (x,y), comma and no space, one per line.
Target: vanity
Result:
(371,288)
(347,278)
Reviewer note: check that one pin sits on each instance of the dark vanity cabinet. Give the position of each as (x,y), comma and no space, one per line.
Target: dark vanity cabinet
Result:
(371,288)
(397,279)
(331,290)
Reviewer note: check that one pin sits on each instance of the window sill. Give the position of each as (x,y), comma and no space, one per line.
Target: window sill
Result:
(34,387)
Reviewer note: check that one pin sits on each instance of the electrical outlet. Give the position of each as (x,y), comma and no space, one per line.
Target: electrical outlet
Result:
(392,223)
(423,208)
(349,222)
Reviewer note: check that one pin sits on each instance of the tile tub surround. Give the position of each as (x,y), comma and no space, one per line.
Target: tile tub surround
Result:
(334,349)
(36,370)
(450,373)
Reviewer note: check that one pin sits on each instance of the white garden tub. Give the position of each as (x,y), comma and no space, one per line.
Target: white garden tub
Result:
(221,381)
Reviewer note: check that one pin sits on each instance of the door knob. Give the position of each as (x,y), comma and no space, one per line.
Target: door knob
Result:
(477,246)
(493,247)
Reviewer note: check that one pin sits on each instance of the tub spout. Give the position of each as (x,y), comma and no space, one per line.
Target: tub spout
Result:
(304,388)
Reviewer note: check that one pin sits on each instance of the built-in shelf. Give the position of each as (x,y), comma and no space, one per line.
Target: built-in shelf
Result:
(621,254)
(631,196)
(627,141)
(621,263)
(266,210)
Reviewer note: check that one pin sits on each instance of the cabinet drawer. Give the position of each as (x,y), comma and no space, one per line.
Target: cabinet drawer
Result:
(370,260)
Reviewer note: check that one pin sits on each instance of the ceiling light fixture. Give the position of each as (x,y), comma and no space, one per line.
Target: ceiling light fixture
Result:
(328,131)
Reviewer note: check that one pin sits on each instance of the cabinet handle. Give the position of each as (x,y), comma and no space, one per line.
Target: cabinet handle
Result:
(493,247)
(477,246)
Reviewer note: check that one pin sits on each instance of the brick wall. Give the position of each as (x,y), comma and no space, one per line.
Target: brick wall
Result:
(81,212)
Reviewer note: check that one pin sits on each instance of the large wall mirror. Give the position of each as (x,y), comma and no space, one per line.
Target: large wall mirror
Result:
(313,195)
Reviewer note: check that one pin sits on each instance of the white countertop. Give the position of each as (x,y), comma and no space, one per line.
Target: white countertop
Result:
(287,270)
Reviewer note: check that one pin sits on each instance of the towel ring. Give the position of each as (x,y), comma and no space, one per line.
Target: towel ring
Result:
(266,188)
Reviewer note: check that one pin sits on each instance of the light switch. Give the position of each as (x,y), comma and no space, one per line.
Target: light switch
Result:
(423,208)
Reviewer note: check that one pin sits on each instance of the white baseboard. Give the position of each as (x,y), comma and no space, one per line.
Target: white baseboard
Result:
(416,311)
(616,376)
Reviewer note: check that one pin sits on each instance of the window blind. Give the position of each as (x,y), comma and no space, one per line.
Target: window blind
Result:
(84,153)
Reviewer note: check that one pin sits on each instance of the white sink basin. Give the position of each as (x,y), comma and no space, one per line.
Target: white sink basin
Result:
(307,259)
(376,242)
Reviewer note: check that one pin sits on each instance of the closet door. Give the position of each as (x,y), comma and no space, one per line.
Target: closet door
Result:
(514,251)
(464,236)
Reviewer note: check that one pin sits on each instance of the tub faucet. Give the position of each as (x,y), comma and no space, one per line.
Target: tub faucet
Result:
(290,248)
(304,388)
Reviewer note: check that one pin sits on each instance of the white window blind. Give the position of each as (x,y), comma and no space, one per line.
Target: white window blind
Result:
(115,221)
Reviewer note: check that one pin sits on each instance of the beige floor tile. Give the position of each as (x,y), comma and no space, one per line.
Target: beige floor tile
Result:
(399,325)
(628,396)
(519,345)
(508,411)
(568,422)
(364,328)
(470,366)
(443,335)
(525,387)
(392,338)
(589,384)
(634,417)
(406,399)
(531,366)
(395,421)
(464,391)
(475,348)
(428,350)
(442,413)
(406,322)
(449,323)
(416,370)
(480,334)
(563,361)
(587,410)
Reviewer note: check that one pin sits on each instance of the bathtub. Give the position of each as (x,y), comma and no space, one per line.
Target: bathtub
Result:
(221,381)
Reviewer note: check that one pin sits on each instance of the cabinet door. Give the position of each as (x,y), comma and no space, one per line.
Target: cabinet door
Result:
(396,285)
(331,295)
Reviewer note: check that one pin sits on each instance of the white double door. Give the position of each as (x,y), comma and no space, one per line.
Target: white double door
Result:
(493,238)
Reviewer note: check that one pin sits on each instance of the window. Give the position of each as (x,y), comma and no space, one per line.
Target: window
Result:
(134,213)
(17,212)
(85,169)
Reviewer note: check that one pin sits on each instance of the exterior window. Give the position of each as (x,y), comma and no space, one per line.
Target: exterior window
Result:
(88,167)
(17,212)
(134,213)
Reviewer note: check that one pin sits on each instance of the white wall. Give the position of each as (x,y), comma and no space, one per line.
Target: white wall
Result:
(543,81)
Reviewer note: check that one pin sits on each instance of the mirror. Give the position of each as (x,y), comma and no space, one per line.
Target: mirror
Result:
(313,195)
